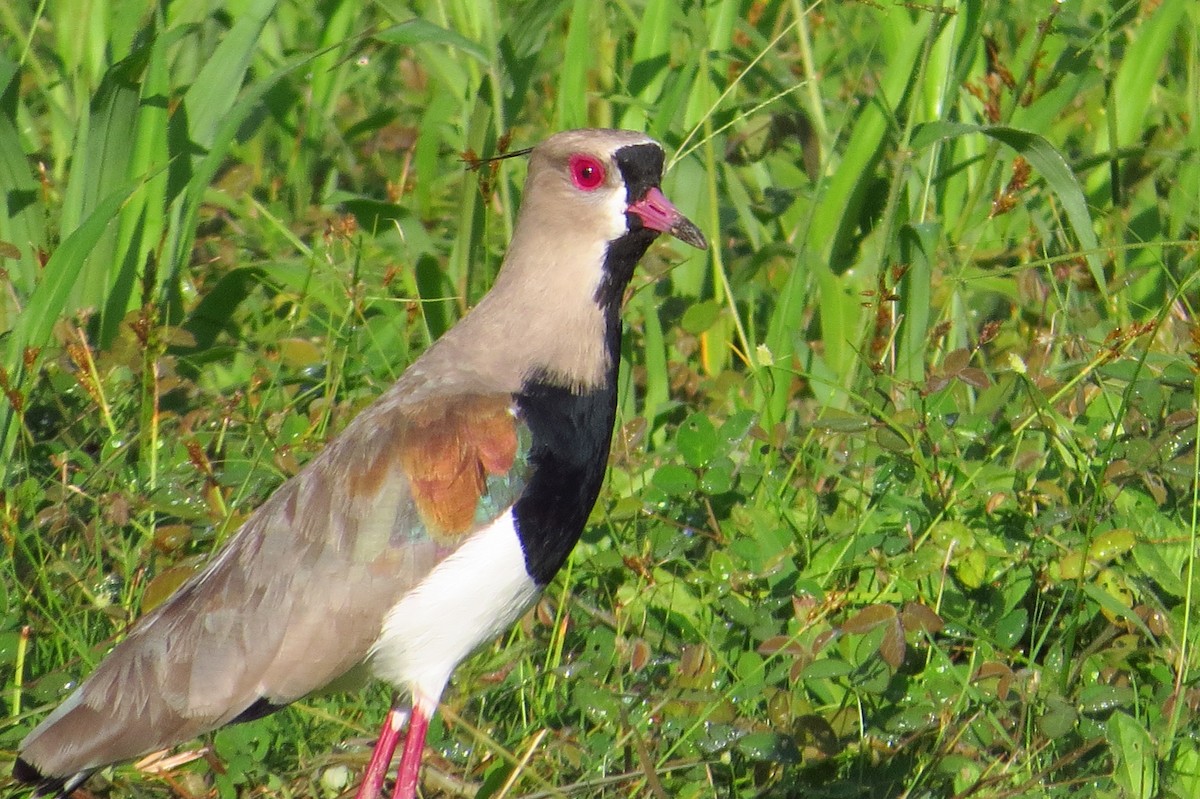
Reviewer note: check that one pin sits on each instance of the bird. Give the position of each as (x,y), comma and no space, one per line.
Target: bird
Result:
(429,524)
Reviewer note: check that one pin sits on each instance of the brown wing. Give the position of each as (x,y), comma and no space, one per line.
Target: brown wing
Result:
(298,595)
(448,455)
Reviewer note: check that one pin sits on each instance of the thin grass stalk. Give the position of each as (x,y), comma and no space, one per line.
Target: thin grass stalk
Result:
(987,165)
(814,104)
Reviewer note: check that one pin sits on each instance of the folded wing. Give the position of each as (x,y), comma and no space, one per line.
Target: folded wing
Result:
(298,595)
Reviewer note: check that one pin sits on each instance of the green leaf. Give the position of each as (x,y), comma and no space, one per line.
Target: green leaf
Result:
(826,669)
(1049,163)
(696,440)
(419,31)
(1116,608)
(21,211)
(919,250)
(768,747)
(700,316)
(577,57)
(1011,628)
(1135,764)
(10,645)
(1059,718)
(1102,699)
(717,479)
(49,300)
(1151,559)
(1185,770)
(676,480)
(216,89)
(1137,80)
(834,420)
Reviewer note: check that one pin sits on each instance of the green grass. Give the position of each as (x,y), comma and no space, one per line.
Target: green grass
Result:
(903,501)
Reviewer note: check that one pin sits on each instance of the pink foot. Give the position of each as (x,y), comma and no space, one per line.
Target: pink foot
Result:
(410,760)
(381,757)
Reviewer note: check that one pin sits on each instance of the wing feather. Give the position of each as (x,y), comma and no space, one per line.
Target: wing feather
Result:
(298,595)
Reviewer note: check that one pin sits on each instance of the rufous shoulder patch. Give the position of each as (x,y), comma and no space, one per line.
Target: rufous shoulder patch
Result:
(448,450)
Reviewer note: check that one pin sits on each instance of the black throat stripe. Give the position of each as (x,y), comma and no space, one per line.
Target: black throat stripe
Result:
(571,432)
(571,435)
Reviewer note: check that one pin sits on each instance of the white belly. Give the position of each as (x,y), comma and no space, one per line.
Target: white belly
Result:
(470,597)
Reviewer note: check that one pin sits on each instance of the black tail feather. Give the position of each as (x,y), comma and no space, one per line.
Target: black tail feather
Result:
(58,787)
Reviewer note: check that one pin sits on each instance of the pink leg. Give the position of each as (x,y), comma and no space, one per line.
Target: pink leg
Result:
(414,746)
(381,757)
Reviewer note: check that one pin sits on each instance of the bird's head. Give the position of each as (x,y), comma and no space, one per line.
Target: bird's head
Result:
(592,202)
(591,208)
(606,181)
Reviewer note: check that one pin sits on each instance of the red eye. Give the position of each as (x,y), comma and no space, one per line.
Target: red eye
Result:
(586,172)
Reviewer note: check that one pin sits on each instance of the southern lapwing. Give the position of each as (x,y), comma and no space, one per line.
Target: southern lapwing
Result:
(430,524)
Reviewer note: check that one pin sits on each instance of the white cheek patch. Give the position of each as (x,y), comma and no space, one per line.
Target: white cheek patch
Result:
(615,207)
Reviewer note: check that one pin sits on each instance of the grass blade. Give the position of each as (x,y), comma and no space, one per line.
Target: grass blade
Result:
(1050,164)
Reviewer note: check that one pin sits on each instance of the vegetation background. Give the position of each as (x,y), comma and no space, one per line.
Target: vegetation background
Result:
(903,501)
